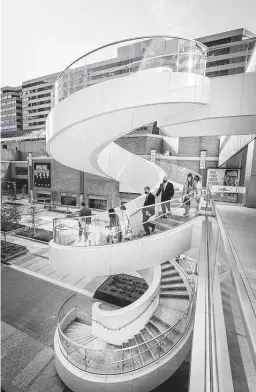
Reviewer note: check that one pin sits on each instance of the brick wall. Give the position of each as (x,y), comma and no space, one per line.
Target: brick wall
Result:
(104,188)
(141,145)
(191,146)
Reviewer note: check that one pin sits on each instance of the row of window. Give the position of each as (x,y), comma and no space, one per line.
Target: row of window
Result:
(223,41)
(37,97)
(33,124)
(8,121)
(11,109)
(225,72)
(3,97)
(227,61)
(9,126)
(26,118)
(71,200)
(37,83)
(8,115)
(36,104)
(36,90)
(13,102)
(48,108)
(232,49)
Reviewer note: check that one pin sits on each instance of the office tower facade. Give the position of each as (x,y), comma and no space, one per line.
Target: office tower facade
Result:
(11,110)
(228,52)
(36,102)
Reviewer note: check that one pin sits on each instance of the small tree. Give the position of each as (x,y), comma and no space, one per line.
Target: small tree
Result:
(33,218)
(9,216)
(16,214)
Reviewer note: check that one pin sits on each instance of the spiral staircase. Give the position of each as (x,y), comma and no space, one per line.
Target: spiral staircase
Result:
(137,347)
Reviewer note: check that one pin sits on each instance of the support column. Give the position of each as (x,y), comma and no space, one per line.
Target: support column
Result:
(250,175)
(81,199)
(30,177)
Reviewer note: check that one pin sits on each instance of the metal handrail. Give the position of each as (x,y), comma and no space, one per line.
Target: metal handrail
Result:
(81,218)
(145,342)
(157,344)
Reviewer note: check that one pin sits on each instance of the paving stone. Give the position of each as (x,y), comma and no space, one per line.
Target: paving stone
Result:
(31,371)
(19,356)
(48,381)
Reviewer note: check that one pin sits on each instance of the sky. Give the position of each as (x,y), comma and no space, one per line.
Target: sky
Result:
(39,37)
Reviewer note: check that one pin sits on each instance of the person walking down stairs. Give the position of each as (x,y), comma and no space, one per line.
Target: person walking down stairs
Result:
(167,191)
(149,211)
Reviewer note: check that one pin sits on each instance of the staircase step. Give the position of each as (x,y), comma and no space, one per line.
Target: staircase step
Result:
(127,364)
(171,279)
(144,349)
(151,344)
(170,273)
(167,266)
(160,324)
(137,360)
(175,294)
(173,286)
(163,343)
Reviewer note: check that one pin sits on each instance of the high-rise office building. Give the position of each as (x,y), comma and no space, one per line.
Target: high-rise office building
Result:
(229,52)
(11,110)
(36,101)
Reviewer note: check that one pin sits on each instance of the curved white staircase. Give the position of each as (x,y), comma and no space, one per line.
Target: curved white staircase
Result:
(167,80)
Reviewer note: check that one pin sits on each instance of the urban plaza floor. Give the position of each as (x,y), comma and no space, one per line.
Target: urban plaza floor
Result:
(31,301)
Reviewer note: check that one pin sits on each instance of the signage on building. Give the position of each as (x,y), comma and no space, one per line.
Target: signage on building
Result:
(42,175)
(202,159)
(30,159)
(153,156)
(223,180)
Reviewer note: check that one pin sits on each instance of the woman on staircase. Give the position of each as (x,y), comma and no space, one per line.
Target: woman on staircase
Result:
(199,189)
(125,223)
(188,193)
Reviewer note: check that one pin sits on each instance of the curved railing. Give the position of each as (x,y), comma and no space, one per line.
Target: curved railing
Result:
(96,230)
(125,57)
(122,360)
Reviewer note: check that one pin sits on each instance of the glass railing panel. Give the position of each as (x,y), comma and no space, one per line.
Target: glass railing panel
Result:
(127,57)
(238,322)
(120,226)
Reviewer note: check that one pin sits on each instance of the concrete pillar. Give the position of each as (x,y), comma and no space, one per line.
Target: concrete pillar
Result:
(250,175)
(81,193)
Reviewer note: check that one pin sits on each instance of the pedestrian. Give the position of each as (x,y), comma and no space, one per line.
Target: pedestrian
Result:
(199,189)
(149,211)
(167,191)
(126,228)
(115,234)
(84,221)
(187,194)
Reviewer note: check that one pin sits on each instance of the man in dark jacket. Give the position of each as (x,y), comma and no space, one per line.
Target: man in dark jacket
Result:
(167,191)
(83,221)
(149,211)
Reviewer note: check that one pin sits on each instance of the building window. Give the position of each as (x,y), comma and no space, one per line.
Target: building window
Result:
(21,171)
(68,199)
(98,204)
(5,146)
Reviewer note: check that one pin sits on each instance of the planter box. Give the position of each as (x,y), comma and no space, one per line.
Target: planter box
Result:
(10,250)
(121,290)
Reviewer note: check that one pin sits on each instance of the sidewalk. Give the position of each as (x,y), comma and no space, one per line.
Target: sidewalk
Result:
(240,223)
